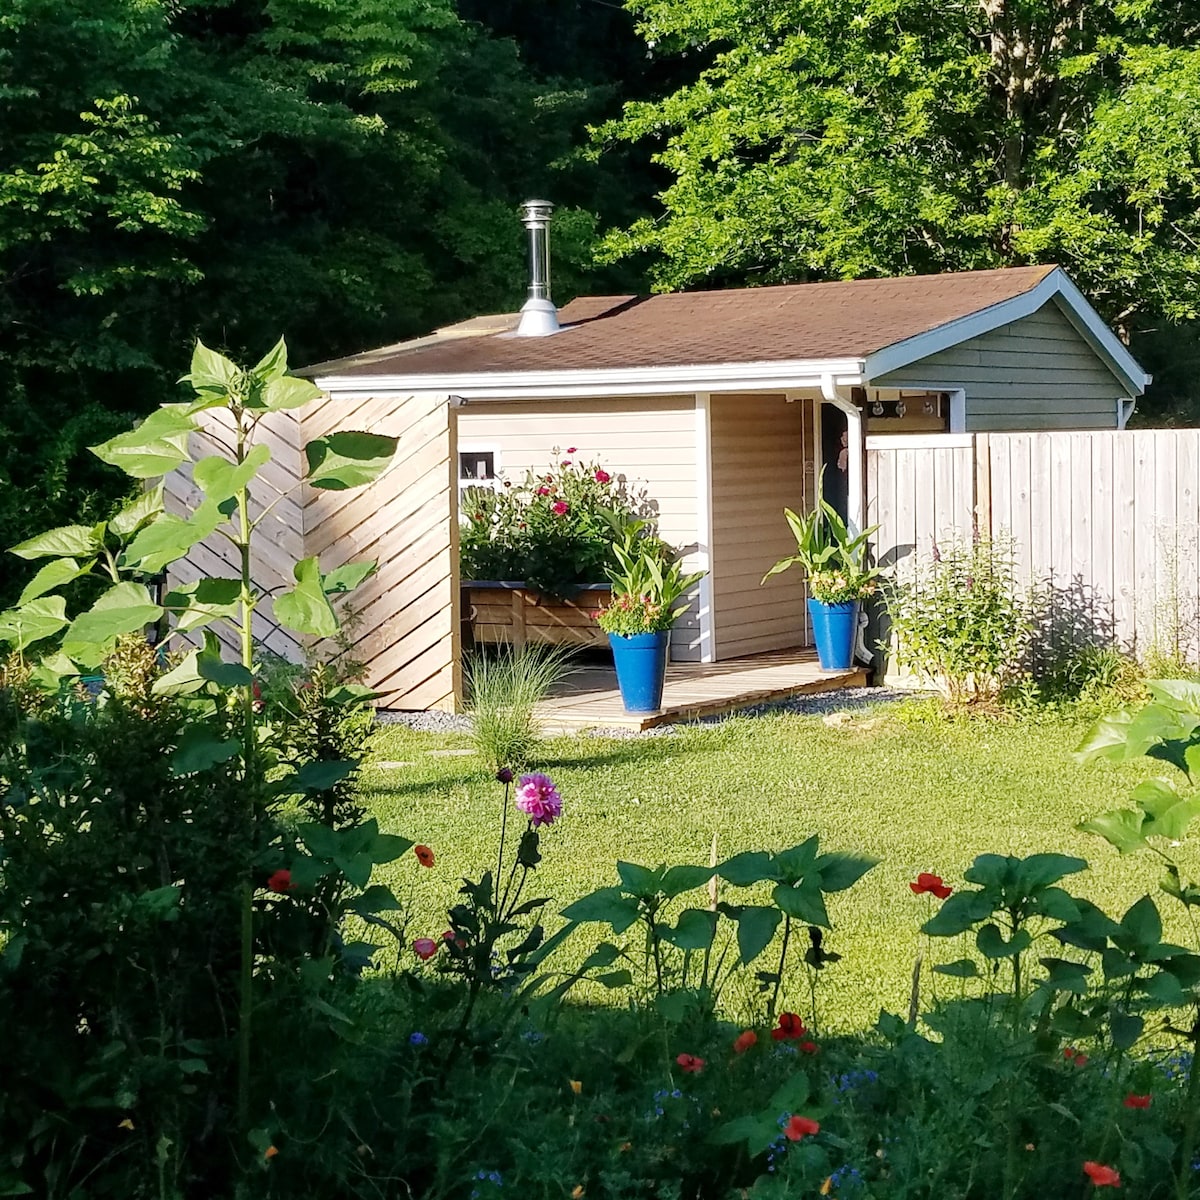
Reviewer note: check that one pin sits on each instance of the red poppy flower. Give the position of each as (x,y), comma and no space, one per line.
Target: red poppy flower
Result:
(559,508)
(424,948)
(690,1064)
(602,476)
(800,1127)
(1135,1101)
(790,1026)
(930,883)
(809,1048)
(281,881)
(1075,1056)
(1101,1175)
(425,856)
(744,1041)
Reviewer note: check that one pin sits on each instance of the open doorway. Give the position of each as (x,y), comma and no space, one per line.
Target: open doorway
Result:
(835,457)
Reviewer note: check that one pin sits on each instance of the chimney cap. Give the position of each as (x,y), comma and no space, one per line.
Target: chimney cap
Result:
(539,317)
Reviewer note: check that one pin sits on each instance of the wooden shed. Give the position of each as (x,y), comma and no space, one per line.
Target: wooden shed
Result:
(724,404)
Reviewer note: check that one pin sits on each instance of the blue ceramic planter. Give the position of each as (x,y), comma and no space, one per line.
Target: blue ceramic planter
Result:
(834,626)
(641,662)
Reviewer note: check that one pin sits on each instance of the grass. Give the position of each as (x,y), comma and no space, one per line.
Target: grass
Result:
(917,791)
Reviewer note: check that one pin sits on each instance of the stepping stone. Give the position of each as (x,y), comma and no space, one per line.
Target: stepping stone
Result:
(394,766)
(449,753)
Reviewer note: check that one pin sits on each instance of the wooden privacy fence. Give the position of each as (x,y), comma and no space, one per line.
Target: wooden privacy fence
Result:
(1106,524)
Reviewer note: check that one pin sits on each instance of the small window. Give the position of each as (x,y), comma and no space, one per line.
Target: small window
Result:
(476,467)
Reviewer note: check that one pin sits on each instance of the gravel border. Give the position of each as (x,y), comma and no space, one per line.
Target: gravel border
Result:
(809,704)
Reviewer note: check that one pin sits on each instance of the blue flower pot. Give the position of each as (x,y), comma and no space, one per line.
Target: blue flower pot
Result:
(641,662)
(834,627)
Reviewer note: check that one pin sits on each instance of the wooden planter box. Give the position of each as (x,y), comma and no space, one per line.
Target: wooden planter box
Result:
(509,613)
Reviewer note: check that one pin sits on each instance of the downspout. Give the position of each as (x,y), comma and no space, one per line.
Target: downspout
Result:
(855,499)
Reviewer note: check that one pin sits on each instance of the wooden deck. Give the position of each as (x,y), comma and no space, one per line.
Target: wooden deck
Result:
(588,698)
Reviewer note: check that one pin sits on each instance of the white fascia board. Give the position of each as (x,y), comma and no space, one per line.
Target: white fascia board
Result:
(1074,305)
(624,381)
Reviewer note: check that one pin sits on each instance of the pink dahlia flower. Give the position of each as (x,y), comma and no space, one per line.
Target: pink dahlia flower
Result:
(602,476)
(538,798)
(559,508)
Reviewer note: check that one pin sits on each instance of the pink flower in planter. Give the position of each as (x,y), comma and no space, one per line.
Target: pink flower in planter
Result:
(539,799)
(543,491)
(570,449)
(560,508)
(601,475)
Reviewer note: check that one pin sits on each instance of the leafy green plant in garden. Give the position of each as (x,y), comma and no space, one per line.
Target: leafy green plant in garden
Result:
(553,530)
(834,560)
(213,702)
(504,689)
(692,955)
(959,619)
(1159,976)
(648,581)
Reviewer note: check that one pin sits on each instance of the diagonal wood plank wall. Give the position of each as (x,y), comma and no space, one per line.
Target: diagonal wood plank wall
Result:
(1106,524)
(403,623)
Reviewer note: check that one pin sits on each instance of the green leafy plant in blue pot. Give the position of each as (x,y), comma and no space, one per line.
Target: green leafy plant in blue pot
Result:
(839,579)
(649,590)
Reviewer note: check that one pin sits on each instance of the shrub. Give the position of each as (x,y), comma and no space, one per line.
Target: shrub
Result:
(960,620)
(553,531)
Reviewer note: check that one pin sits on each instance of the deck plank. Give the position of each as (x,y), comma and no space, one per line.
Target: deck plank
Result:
(589,699)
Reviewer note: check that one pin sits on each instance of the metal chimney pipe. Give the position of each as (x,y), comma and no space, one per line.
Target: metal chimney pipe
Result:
(539,317)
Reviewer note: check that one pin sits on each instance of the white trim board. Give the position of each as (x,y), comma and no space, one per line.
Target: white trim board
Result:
(1055,287)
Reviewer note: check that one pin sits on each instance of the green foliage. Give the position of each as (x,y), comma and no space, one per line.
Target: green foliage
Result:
(959,618)
(833,560)
(504,691)
(821,140)
(648,581)
(553,531)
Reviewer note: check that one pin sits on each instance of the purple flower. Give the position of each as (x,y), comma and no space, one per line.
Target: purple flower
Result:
(504,775)
(538,798)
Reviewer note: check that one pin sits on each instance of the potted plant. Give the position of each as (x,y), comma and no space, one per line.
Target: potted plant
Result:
(648,584)
(839,579)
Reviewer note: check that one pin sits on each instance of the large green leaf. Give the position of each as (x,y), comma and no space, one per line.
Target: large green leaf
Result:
(158,445)
(125,608)
(1121,828)
(678,880)
(182,680)
(306,608)
(53,575)
(212,375)
(73,541)
(992,944)
(957,914)
(347,577)
(169,538)
(41,618)
(840,871)
(694,930)
(220,478)
(272,364)
(640,881)
(608,905)
(288,392)
(196,604)
(803,902)
(199,749)
(1141,925)
(756,925)
(747,868)
(1181,693)
(138,512)
(348,459)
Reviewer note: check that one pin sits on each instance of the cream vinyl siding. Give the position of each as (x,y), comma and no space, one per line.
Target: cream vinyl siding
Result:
(651,442)
(762,462)
(1035,373)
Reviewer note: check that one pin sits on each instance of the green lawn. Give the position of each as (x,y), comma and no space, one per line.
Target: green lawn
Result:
(916,791)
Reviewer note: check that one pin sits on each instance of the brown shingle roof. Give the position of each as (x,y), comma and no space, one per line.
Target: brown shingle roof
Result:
(795,322)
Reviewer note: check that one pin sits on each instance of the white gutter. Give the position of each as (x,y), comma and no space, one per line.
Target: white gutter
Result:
(854,458)
(624,381)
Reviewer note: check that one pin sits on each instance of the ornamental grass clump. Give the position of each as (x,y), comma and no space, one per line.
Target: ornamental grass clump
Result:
(552,531)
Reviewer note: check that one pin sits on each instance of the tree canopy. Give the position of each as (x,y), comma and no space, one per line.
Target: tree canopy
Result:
(823,139)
